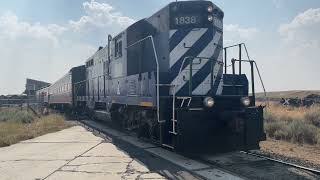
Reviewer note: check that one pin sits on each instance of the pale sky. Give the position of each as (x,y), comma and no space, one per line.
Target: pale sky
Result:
(44,39)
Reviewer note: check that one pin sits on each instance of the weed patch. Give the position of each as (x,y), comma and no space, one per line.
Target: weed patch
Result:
(297,125)
(16,126)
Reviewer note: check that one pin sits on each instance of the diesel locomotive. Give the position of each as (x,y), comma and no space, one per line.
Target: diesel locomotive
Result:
(165,77)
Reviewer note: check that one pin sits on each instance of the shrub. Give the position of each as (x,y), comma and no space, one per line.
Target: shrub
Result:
(23,116)
(313,116)
(6,115)
(302,132)
(269,117)
(298,125)
(276,113)
(281,134)
(16,115)
(16,126)
(318,139)
(273,128)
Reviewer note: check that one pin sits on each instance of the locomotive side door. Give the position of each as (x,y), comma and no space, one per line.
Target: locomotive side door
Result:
(117,66)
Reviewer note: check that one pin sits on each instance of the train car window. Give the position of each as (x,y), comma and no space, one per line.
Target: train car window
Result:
(89,63)
(118,48)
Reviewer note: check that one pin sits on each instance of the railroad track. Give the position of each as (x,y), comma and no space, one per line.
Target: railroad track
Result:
(315,171)
(256,166)
(244,164)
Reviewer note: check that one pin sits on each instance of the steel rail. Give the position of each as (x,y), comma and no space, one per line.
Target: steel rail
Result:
(282,162)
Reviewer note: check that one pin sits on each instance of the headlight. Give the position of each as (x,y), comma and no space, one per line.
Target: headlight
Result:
(210,9)
(210,18)
(208,102)
(246,101)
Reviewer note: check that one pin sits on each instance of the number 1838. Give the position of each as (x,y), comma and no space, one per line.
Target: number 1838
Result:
(185,20)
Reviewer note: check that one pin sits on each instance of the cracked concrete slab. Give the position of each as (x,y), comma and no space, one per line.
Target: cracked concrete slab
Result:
(28,169)
(76,134)
(62,145)
(107,161)
(74,153)
(83,176)
(47,151)
(106,149)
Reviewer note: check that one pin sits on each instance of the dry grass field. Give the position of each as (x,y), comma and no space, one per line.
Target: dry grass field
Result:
(297,125)
(18,125)
(293,132)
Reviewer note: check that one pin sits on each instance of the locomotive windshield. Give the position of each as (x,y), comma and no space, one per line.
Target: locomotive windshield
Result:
(195,14)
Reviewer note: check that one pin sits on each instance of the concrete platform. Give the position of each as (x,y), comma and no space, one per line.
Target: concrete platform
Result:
(74,153)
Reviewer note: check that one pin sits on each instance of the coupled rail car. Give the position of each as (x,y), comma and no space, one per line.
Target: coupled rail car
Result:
(164,78)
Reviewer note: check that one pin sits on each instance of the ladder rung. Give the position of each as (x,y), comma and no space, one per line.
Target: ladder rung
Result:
(162,121)
(232,85)
(196,109)
(173,133)
(168,146)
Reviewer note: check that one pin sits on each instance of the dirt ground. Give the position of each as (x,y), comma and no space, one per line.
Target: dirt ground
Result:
(308,153)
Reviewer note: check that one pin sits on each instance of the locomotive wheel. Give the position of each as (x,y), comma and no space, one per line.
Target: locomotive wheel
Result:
(115,117)
(149,128)
(143,131)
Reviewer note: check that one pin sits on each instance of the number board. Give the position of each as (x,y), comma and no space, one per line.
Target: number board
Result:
(187,20)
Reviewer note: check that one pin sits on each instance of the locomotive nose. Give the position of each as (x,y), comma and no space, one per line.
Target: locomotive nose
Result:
(233,122)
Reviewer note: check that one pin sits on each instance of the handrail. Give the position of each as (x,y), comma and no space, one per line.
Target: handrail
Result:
(249,59)
(257,68)
(258,71)
(175,84)
(174,97)
(157,62)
